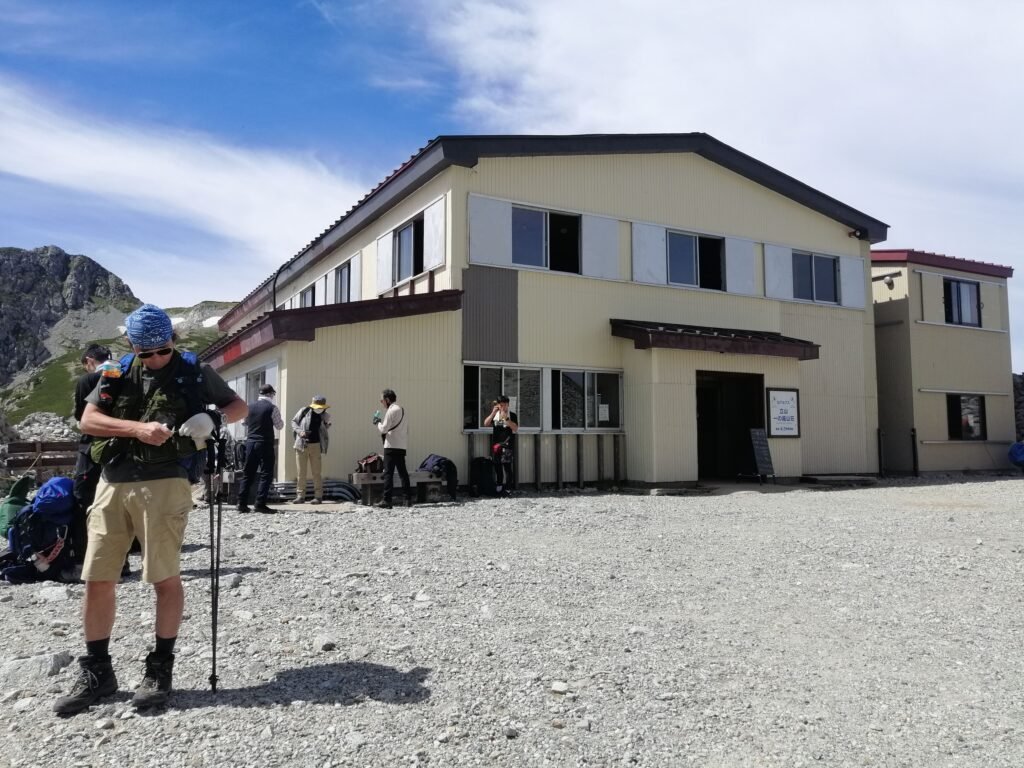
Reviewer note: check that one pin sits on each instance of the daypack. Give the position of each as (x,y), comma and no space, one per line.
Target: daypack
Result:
(436,465)
(40,534)
(481,477)
(12,504)
(372,463)
(1016,455)
(189,381)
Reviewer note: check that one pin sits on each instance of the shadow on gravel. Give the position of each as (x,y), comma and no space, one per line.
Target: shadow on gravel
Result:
(223,569)
(346,683)
(185,548)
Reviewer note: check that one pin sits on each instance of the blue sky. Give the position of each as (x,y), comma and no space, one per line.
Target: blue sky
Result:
(191,147)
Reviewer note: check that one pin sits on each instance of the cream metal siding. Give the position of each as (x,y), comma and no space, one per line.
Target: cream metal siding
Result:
(880,292)
(419,357)
(682,191)
(893,355)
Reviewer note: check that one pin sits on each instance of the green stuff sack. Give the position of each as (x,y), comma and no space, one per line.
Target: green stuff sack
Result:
(12,504)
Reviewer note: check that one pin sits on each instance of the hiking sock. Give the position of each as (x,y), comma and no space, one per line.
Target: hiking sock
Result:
(98,649)
(164,647)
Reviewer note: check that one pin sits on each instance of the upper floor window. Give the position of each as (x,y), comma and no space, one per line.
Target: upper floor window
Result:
(815,277)
(308,297)
(963,306)
(965,416)
(343,283)
(408,250)
(546,239)
(695,260)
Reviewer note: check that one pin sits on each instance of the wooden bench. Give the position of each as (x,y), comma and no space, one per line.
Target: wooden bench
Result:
(46,457)
(370,483)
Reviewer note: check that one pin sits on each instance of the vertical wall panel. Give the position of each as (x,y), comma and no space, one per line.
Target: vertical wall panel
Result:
(385,270)
(600,247)
(851,282)
(355,282)
(490,313)
(434,235)
(778,271)
(741,266)
(490,231)
(650,258)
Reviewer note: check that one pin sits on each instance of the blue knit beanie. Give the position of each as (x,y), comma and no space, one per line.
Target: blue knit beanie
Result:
(148,327)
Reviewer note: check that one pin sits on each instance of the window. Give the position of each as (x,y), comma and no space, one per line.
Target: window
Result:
(483,384)
(408,251)
(965,415)
(342,283)
(308,297)
(546,239)
(962,303)
(815,277)
(253,381)
(585,400)
(695,260)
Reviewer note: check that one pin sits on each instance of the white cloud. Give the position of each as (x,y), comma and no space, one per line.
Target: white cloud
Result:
(263,205)
(908,111)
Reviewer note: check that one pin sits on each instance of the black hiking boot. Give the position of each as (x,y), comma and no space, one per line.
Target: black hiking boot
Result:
(243,508)
(264,509)
(95,680)
(155,687)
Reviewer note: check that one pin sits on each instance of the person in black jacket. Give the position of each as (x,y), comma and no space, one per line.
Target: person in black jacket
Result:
(87,472)
(264,417)
(505,425)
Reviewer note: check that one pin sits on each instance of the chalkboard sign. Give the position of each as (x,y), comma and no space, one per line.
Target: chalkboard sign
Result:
(762,455)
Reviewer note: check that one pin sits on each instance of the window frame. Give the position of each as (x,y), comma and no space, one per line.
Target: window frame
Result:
(546,259)
(698,239)
(588,374)
(346,270)
(954,309)
(309,291)
(503,368)
(814,259)
(954,426)
(414,227)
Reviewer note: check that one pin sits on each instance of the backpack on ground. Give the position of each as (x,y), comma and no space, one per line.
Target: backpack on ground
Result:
(1016,455)
(41,533)
(372,463)
(439,466)
(481,477)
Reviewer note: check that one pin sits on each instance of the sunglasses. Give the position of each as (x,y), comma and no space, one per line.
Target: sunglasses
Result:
(162,352)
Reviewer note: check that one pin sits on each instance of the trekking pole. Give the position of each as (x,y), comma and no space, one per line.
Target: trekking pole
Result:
(214,500)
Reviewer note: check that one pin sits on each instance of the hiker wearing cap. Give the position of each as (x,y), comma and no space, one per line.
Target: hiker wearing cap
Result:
(310,425)
(149,419)
(264,417)
(394,431)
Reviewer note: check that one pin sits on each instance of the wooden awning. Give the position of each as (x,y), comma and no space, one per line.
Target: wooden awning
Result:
(646,335)
(300,324)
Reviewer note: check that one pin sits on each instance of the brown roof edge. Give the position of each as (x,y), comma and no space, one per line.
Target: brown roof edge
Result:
(647,335)
(301,324)
(927,259)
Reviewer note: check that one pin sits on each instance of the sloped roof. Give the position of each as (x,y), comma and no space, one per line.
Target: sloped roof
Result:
(466,151)
(927,259)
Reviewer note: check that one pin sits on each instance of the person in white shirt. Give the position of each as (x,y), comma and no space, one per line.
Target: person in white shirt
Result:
(394,431)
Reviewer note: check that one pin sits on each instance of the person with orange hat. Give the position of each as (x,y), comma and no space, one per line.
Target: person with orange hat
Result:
(311,425)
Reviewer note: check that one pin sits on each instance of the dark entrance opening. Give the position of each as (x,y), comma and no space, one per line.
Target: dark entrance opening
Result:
(729,405)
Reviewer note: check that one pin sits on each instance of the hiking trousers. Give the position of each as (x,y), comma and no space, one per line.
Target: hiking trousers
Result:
(309,456)
(259,462)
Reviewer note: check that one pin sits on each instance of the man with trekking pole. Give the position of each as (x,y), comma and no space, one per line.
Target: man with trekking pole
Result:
(149,418)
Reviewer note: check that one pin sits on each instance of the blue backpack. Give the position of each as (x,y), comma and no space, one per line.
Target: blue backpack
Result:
(39,535)
(1016,455)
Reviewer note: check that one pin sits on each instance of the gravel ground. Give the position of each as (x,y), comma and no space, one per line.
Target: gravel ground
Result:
(865,627)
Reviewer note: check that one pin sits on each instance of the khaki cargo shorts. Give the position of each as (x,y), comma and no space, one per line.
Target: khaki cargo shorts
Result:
(155,512)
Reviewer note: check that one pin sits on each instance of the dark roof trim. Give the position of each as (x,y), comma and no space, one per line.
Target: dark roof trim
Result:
(645,335)
(301,324)
(926,259)
(445,151)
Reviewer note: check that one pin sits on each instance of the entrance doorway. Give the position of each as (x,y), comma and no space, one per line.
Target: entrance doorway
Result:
(729,405)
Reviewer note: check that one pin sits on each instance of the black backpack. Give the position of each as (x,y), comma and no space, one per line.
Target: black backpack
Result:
(481,477)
